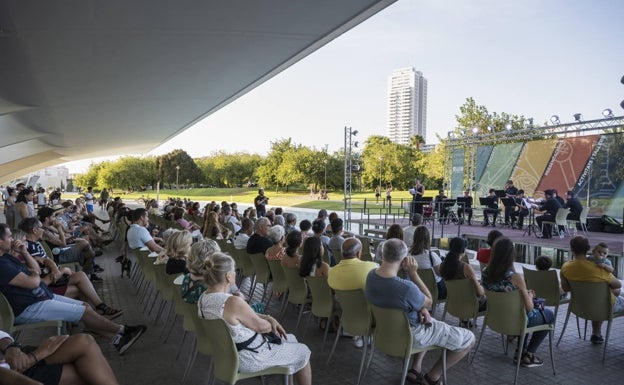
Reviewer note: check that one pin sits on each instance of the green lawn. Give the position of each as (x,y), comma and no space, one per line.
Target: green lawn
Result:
(281,198)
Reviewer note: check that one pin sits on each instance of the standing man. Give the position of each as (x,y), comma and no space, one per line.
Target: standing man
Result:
(510,192)
(580,269)
(89,198)
(260,202)
(104,195)
(385,289)
(417,194)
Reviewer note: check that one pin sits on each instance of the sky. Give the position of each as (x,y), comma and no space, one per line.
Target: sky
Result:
(533,57)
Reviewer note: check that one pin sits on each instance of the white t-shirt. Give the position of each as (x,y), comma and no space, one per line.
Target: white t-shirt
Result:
(424,262)
(138,236)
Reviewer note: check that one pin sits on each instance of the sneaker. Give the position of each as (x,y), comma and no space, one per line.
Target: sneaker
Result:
(596,340)
(531,361)
(131,334)
(97,268)
(358,342)
(98,252)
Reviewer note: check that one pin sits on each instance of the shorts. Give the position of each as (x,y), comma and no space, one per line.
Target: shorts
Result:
(71,254)
(443,335)
(57,308)
(89,207)
(46,374)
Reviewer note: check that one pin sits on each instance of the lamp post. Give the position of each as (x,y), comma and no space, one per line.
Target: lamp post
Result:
(177,178)
(380,165)
(325,186)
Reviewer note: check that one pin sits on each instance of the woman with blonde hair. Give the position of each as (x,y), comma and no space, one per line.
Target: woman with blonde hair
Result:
(176,250)
(247,328)
(193,283)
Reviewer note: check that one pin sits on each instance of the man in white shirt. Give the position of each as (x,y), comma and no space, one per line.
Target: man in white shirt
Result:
(408,232)
(240,242)
(138,236)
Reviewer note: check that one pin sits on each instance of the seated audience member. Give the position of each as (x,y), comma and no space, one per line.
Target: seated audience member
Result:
(483,254)
(58,360)
(276,251)
(259,242)
(454,268)
(500,276)
(79,251)
(64,281)
(178,217)
(580,269)
(213,229)
(335,242)
(247,327)
(228,217)
(32,301)
(426,259)
(240,242)
(311,264)
(318,227)
(385,289)
(394,231)
(543,263)
(138,235)
(408,231)
(291,223)
(291,257)
(599,257)
(305,226)
(491,209)
(175,253)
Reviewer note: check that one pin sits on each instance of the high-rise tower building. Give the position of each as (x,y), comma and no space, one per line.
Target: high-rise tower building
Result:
(407,105)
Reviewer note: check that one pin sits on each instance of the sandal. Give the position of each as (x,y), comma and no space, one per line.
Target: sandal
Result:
(107,311)
(417,378)
(429,381)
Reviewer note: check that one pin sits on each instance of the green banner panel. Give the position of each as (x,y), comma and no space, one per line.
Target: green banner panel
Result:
(499,167)
(457,176)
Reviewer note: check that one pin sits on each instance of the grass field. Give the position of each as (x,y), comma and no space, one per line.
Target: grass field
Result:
(281,198)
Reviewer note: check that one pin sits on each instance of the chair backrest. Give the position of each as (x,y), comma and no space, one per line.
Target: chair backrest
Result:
(583,215)
(366,249)
(392,331)
(213,336)
(322,297)
(261,267)
(561,217)
(164,282)
(297,289)
(461,299)
(280,284)
(591,300)
(356,316)
(429,279)
(6,314)
(544,283)
(337,253)
(506,312)
(245,264)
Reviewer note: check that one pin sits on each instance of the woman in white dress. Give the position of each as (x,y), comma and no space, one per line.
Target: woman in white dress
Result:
(246,327)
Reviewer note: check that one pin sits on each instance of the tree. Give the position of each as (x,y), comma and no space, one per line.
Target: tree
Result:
(268,172)
(395,164)
(167,168)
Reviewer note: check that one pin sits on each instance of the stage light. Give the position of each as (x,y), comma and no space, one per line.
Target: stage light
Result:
(355,144)
(475,130)
(529,122)
(607,113)
(578,116)
(554,119)
(490,128)
(354,133)
(508,126)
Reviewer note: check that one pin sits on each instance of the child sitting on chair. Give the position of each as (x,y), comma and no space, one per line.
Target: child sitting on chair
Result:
(599,256)
(543,263)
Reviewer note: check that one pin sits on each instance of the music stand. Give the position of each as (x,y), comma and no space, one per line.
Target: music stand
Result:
(531,226)
(500,193)
(508,202)
(488,201)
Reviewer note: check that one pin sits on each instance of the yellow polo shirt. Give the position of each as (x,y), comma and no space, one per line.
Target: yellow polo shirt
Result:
(350,274)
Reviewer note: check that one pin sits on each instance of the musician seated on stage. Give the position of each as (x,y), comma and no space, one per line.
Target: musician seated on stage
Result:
(549,209)
(466,208)
(523,210)
(510,192)
(438,205)
(492,209)
(574,205)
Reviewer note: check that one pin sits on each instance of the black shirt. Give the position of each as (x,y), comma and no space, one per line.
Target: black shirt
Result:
(258,244)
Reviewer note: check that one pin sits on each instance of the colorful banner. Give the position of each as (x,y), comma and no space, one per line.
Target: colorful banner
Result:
(499,167)
(531,164)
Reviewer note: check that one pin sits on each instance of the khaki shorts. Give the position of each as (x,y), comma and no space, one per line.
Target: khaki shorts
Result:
(443,335)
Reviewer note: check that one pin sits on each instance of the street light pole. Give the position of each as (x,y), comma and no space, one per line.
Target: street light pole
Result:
(380,169)
(177,179)
(325,188)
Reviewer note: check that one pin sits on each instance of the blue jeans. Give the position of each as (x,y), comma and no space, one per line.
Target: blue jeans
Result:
(537,318)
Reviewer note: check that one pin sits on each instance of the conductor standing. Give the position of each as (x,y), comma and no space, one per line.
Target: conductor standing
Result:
(260,203)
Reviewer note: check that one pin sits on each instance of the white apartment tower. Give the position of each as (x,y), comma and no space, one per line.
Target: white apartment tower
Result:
(407,105)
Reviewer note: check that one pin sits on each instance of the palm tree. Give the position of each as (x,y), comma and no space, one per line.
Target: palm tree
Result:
(416,141)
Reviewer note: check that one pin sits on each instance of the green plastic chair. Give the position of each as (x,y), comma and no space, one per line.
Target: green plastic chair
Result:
(429,279)
(213,337)
(263,276)
(591,301)
(506,314)
(366,249)
(280,284)
(7,320)
(461,300)
(546,285)
(322,303)
(337,253)
(297,291)
(247,268)
(393,336)
(355,319)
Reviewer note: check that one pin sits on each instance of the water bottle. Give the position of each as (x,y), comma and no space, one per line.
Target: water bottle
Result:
(56,251)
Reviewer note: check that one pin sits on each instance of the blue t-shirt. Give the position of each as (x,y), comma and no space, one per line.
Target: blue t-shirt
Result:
(19,298)
(395,292)
(35,249)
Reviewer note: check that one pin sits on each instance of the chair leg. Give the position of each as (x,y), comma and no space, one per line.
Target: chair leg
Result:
(478,343)
(604,350)
(334,346)
(444,365)
(406,362)
(363,359)
(521,339)
(565,324)
(552,358)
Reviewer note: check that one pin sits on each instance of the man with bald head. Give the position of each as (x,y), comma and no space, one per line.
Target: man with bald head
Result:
(259,242)
(350,273)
